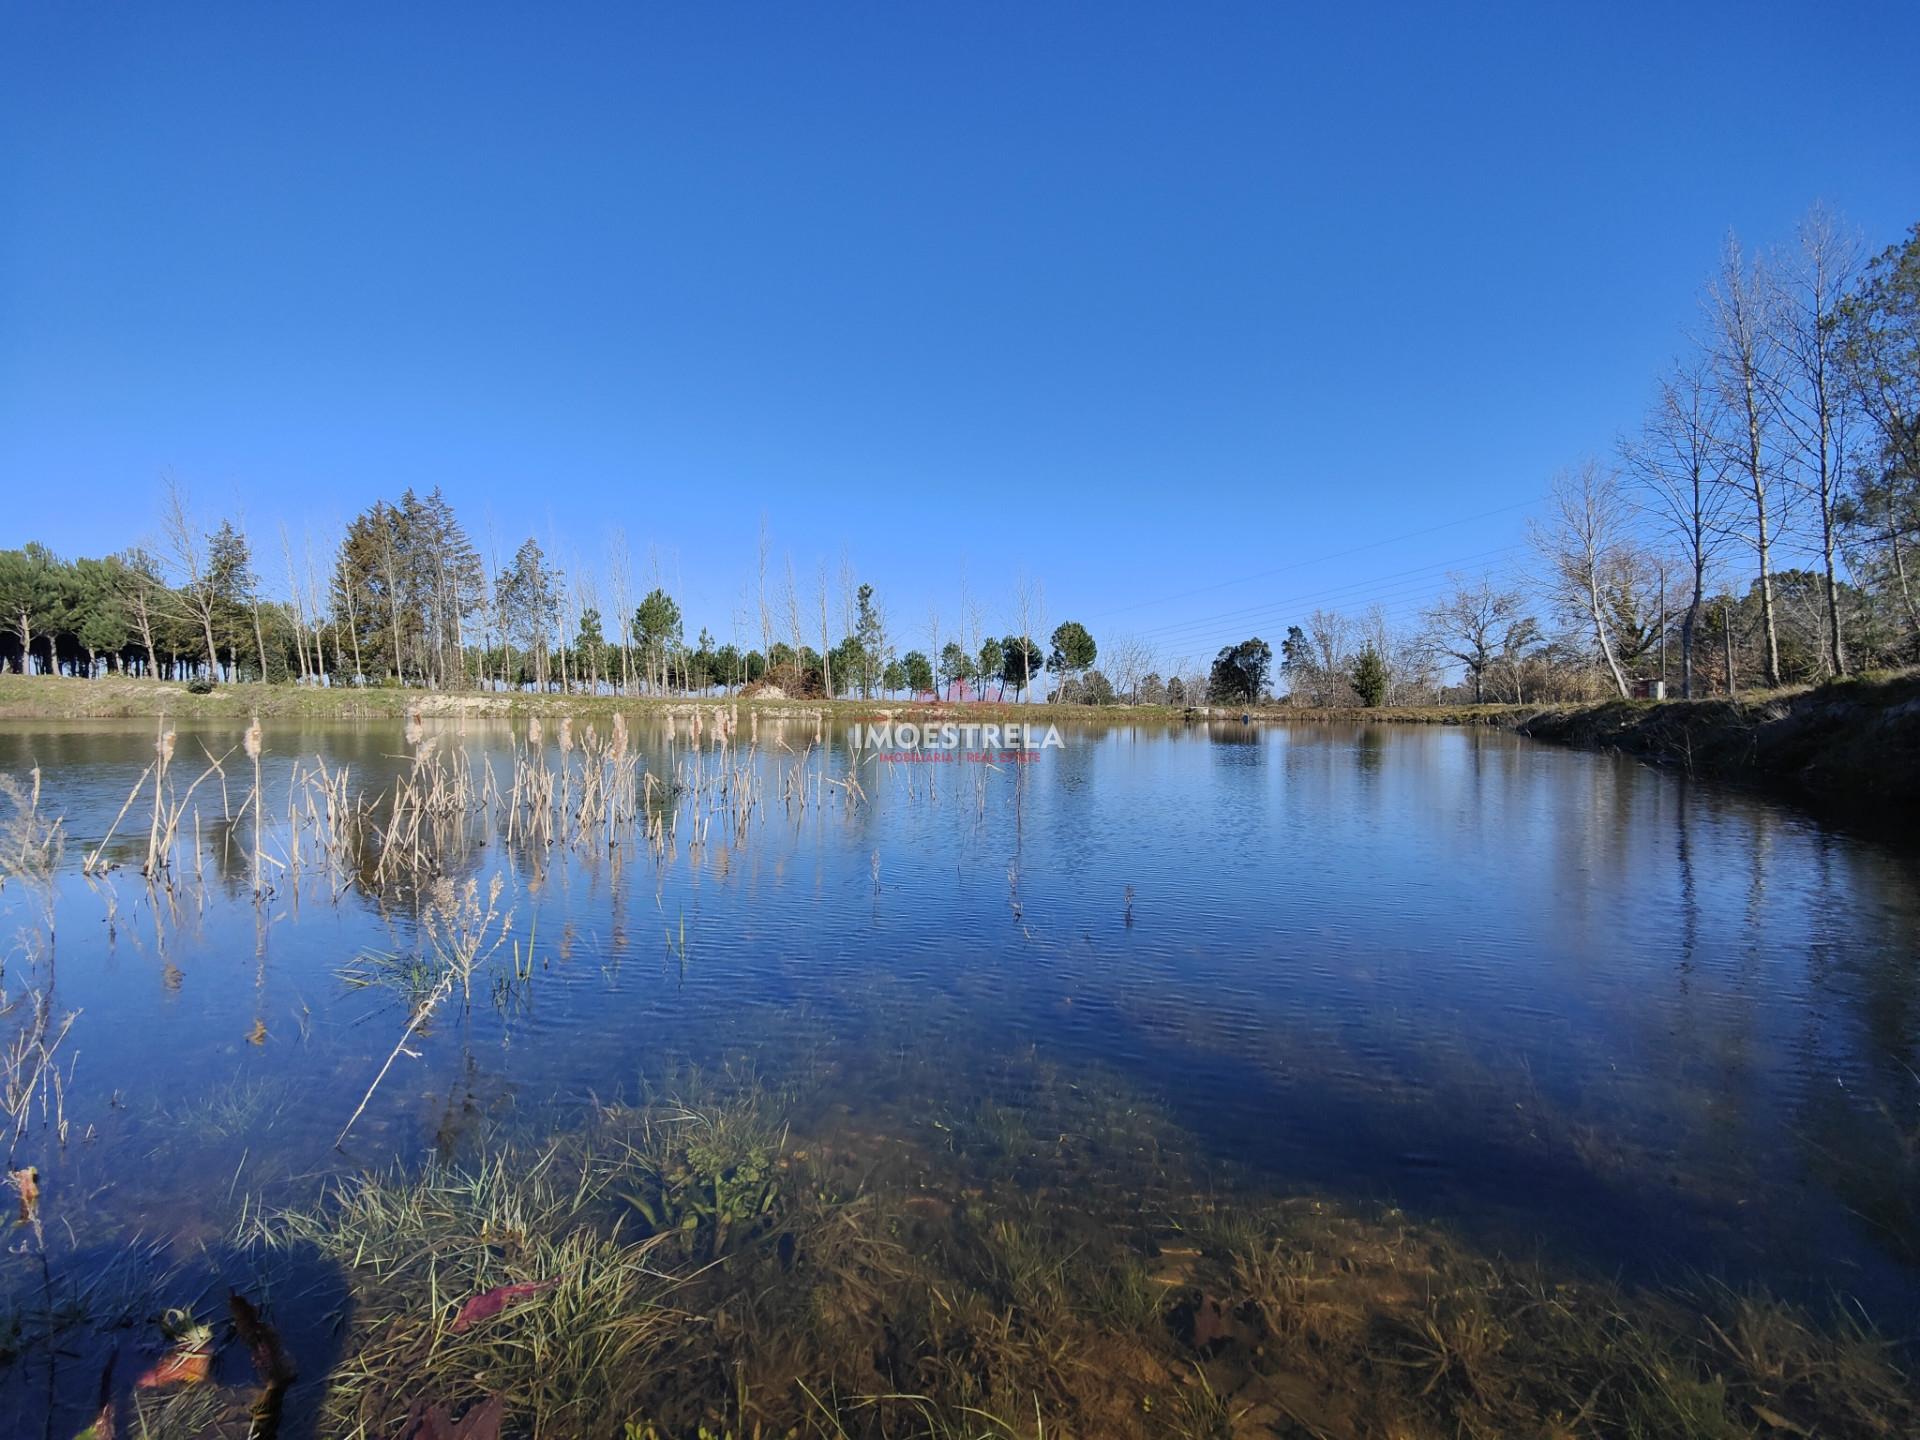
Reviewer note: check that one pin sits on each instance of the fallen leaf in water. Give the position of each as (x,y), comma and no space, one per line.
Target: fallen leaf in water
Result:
(187,1364)
(480,1423)
(257,1035)
(190,1358)
(490,1303)
(27,1182)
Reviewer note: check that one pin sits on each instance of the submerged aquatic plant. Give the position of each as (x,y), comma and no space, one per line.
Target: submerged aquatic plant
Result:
(707,1173)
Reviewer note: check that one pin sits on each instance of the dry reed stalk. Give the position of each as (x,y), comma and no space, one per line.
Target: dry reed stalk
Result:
(27,1065)
(419,1017)
(169,811)
(251,741)
(93,862)
(163,758)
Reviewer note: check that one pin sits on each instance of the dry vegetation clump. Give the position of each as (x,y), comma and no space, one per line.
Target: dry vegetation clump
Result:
(31,843)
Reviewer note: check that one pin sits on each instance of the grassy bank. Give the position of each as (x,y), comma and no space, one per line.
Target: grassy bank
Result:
(61,698)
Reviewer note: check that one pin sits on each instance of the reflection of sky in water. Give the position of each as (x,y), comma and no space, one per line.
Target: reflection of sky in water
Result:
(1548,994)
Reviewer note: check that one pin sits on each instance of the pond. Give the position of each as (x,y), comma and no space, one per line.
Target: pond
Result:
(1552,1004)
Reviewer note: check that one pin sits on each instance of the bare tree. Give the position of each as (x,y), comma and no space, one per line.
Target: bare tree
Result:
(256,603)
(1745,350)
(1029,608)
(1583,541)
(1808,395)
(186,547)
(1330,637)
(766,613)
(296,604)
(1476,624)
(316,606)
(1676,463)
(794,628)
(826,639)
(620,576)
(143,592)
(1127,659)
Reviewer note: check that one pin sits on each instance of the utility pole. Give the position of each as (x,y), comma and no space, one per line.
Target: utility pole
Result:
(1663,629)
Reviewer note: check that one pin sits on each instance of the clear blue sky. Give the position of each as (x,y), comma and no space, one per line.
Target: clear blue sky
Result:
(1136,298)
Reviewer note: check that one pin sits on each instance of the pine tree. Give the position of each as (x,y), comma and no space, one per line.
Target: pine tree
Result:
(1370,676)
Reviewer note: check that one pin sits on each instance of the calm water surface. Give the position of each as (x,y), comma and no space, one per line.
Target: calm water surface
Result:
(1566,1002)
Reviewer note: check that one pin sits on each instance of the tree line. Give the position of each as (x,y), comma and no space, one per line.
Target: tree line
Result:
(1789,430)
(1790,427)
(406,599)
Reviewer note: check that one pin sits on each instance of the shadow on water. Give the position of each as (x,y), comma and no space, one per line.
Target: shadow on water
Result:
(84,1332)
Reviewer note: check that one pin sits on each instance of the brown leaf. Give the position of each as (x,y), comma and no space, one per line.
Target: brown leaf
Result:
(27,1182)
(489,1303)
(187,1364)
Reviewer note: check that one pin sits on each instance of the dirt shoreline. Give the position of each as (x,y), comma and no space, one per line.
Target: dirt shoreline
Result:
(1851,746)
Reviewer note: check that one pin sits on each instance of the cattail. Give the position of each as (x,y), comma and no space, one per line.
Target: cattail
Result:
(164,748)
(416,726)
(619,735)
(535,731)
(252,739)
(566,734)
